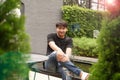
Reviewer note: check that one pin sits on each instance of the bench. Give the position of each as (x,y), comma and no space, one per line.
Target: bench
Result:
(39,67)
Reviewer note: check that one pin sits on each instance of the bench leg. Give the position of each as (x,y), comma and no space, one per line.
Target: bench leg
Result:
(48,77)
(34,76)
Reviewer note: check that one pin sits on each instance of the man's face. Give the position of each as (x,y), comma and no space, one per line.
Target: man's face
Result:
(61,31)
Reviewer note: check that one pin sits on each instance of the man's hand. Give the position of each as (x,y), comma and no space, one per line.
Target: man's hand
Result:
(61,56)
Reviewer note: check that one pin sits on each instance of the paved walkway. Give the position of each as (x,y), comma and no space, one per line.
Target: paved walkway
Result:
(40,76)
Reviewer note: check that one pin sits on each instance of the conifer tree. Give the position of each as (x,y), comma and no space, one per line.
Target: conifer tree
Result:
(108,65)
(14,41)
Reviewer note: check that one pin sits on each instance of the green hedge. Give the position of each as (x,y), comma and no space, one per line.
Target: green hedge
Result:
(83,20)
(85,47)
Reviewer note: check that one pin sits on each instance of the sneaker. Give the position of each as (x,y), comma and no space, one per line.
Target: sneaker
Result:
(84,76)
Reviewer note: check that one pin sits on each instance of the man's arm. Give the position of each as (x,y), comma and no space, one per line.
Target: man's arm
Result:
(68,52)
(54,46)
(69,47)
(60,54)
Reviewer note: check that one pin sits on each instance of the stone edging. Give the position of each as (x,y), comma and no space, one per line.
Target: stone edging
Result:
(87,60)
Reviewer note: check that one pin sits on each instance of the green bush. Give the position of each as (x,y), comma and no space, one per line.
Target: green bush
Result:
(85,47)
(13,66)
(14,42)
(108,65)
(13,36)
(87,20)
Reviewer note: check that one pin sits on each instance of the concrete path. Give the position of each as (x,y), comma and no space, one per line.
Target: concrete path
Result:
(40,76)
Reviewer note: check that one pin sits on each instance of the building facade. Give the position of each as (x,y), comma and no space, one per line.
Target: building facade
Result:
(41,16)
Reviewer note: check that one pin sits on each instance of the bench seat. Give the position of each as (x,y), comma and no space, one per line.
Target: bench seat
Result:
(39,67)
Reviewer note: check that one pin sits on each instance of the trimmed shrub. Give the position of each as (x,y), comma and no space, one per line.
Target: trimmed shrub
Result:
(82,21)
(85,47)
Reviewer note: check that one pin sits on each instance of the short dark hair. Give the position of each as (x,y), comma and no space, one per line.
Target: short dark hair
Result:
(61,23)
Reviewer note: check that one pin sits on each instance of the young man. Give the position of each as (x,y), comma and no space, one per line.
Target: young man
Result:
(59,48)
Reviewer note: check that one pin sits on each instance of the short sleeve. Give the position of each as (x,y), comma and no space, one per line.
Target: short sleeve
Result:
(69,43)
(50,38)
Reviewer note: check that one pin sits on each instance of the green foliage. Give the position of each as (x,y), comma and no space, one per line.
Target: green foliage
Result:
(13,35)
(108,65)
(85,47)
(14,42)
(116,76)
(13,66)
(12,29)
(88,20)
(6,6)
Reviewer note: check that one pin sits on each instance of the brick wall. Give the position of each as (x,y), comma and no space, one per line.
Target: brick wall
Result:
(41,16)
